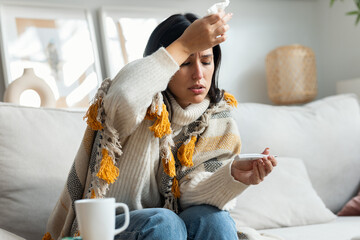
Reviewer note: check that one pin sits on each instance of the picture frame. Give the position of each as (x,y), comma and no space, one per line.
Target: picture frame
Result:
(58,43)
(121,43)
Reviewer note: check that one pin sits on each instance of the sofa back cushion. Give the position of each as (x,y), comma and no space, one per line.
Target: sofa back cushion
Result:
(324,133)
(37,147)
(285,199)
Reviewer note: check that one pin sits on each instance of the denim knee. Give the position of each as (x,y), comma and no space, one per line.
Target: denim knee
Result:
(208,222)
(164,224)
(154,223)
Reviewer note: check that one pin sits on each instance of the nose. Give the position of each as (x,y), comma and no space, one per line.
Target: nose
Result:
(197,71)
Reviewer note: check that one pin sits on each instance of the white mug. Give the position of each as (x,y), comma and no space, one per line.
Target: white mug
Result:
(96,218)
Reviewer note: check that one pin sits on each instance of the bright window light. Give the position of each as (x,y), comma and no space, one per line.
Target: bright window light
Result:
(30,98)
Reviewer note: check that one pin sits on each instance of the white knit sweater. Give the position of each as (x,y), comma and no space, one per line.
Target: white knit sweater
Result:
(139,184)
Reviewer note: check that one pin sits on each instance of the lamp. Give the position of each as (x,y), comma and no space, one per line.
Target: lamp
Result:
(291,74)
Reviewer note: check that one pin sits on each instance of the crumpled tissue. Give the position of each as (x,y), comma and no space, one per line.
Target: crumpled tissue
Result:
(218,7)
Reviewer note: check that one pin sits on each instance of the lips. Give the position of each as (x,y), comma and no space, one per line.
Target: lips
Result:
(197,89)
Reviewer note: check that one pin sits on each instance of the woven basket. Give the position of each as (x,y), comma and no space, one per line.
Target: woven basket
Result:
(291,75)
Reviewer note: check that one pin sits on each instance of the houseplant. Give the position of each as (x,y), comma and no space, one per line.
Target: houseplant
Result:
(356,12)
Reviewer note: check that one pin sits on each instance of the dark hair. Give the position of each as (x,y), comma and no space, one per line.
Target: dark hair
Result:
(170,30)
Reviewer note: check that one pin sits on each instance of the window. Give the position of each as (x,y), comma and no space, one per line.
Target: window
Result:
(125,35)
(58,44)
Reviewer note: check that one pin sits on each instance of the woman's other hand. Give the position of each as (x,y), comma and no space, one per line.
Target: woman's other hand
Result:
(253,171)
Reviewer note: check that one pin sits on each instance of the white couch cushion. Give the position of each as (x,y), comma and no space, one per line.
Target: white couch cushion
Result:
(285,198)
(37,147)
(343,228)
(324,133)
(5,235)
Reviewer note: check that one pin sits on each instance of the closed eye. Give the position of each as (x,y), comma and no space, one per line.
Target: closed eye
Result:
(206,59)
(185,64)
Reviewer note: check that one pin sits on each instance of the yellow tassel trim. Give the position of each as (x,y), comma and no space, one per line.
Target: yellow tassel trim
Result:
(93,195)
(161,127)
(108,171)
(77,234)
(230,99)
(175,189)
(150,115)
(169,168)
(47,236)
(185,153)
(91,115)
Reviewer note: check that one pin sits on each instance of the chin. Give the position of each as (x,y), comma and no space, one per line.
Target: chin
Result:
(198,99)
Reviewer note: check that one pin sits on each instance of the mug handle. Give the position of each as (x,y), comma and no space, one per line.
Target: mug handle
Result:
(127,217)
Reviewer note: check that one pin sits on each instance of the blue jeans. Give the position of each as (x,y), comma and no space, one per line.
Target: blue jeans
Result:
(198,222)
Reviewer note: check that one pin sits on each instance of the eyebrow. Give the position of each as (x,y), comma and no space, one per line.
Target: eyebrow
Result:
(204,56)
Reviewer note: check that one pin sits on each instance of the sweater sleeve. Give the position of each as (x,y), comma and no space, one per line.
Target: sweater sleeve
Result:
(134,87)
(217,189)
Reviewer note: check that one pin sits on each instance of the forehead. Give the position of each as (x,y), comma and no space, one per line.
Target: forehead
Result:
(206,52)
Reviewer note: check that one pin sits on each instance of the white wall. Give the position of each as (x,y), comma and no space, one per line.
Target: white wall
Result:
(258,26)
(339,41)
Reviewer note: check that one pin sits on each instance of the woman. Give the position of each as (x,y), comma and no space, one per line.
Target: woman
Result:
(164,141)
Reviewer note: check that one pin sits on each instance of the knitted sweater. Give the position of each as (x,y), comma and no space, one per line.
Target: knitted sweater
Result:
(138,185)
(141,181)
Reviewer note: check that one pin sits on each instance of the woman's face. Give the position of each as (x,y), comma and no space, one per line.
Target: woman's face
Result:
(192,82)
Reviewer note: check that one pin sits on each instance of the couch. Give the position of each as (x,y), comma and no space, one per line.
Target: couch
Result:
(318,148)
